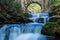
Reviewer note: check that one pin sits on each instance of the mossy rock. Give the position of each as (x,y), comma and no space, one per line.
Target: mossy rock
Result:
(58,23)
(49,29)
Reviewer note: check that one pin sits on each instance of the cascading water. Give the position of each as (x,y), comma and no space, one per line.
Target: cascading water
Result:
(30,31)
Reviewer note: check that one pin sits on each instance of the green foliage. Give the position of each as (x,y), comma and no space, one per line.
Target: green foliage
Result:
(55,8)
(56,3)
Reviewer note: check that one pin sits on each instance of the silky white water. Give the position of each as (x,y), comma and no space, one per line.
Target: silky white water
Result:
(29,31)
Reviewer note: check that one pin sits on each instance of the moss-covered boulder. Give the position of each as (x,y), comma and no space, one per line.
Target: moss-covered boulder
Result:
(49,29)
(52,29)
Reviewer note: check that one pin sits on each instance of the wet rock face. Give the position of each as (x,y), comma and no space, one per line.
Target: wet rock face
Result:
(40,20)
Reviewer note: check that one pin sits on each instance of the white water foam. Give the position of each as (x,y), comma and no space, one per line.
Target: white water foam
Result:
(28,36)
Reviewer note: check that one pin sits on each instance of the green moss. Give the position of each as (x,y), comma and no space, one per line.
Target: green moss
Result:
(58,23)
(51,29)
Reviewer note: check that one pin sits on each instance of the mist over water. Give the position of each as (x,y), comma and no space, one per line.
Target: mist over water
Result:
(29,31)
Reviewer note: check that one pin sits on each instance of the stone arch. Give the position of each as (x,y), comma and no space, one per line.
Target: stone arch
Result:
(32,3)
(44,3)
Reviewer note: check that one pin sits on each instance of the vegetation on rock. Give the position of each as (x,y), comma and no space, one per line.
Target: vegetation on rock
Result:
(51,29)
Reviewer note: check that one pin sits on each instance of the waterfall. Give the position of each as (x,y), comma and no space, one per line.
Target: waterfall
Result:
(29,31)
(36,16)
